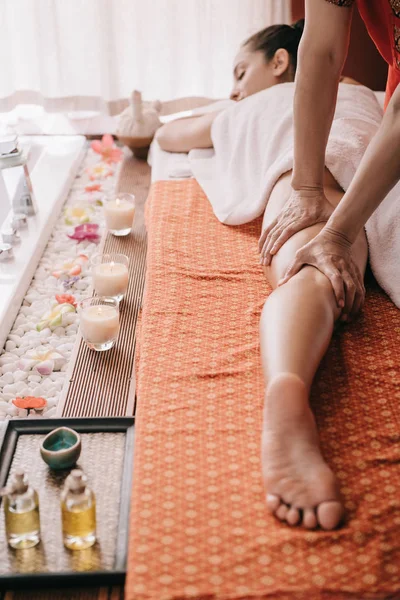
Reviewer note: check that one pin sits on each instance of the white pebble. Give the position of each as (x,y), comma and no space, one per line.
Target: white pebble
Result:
(59,331)
(20,375)
(6,359)
(22,389)
(51,413)
(47,384)
(34,378)
(15,338)
(12,410)
(63,348)
(10,345)
(9,367)
(6,378)
(10,389)
(56,375)
(19,351)
(45,333)
(19,331)
(7,397)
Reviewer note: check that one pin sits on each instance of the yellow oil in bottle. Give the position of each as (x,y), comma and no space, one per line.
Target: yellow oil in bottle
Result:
(78,513)
(21,511)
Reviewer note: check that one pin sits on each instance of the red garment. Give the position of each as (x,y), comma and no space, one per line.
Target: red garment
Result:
(382,19)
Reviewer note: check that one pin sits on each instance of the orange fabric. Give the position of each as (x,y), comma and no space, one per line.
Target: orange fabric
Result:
(199,527)
(383,24)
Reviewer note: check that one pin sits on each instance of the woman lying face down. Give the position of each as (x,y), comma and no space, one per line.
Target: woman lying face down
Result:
(301,488)
(267,58)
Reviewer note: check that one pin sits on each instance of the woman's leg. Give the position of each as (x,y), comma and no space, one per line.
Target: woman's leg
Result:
(295,330)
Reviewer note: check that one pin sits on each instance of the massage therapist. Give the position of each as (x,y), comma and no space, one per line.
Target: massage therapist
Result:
(322,54)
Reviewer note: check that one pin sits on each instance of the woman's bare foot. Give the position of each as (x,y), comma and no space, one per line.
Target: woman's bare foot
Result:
(301,488)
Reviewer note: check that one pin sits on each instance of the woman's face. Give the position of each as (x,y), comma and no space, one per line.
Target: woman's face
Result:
(252,73)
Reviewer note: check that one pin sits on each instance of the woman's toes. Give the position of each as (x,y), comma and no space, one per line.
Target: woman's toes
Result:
(281,512)
(309,518)
(330,514)
(293,516)
(272,502)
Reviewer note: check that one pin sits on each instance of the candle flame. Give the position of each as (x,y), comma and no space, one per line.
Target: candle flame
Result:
(118,202)
(112,264)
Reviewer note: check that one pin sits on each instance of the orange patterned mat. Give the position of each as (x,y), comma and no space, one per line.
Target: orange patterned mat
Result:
(199,526)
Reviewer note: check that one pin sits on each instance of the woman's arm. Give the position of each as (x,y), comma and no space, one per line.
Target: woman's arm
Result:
(183,135)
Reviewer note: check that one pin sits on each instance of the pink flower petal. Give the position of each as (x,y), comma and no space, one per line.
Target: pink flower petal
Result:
(107,141)
(75,270)
(96,187)
(45,368)
(97,146)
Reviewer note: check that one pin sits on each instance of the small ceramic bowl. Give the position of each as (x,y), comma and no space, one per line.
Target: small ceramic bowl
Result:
(61,448)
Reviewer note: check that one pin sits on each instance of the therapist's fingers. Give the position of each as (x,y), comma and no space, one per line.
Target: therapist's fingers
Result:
(265,252)
(358,302)
(337,283)
(284,236)
(294,268)
(264,234)
(351,289)
(360,292)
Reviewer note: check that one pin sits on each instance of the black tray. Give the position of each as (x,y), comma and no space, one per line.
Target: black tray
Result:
(107,459)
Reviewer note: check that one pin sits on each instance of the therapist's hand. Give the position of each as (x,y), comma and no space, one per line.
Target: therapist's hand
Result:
(303,209)
(330,253)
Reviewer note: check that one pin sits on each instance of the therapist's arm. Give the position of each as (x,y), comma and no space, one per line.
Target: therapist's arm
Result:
(322,52)
(376,175)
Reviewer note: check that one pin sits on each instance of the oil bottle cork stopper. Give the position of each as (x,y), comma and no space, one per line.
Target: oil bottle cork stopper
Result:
(18,483)
(76,481)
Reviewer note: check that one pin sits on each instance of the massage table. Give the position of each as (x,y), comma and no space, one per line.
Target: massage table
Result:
(199,527)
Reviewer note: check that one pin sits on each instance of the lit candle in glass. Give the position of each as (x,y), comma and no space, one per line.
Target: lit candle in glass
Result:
(99,322)
(119,213)
(110,275)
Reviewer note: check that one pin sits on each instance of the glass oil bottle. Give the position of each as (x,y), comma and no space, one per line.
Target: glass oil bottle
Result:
(78,510)
(21,510)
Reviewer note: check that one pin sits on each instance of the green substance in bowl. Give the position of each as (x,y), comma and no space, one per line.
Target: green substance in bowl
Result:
(61,448)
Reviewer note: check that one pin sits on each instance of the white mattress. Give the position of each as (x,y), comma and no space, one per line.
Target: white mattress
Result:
(168,165)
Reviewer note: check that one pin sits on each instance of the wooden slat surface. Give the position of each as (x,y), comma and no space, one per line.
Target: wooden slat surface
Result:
(102,383)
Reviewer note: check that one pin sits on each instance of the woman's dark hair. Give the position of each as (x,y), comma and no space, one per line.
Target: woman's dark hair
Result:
(270,39)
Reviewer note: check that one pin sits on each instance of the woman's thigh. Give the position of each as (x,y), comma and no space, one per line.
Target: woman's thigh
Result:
(283,258)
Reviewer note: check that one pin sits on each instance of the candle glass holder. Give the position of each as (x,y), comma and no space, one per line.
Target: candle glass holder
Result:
(99,322)
(110,275)
(119,212)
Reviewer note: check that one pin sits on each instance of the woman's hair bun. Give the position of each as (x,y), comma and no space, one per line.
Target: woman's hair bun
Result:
(299,25)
